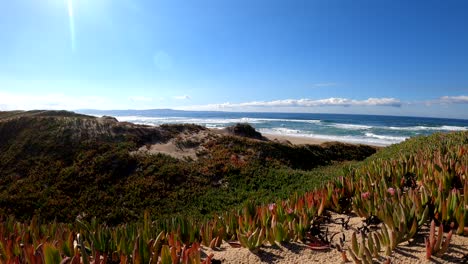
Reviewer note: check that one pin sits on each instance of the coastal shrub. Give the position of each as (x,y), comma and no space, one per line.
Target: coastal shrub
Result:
(61,165)
(244,130)
(380,190)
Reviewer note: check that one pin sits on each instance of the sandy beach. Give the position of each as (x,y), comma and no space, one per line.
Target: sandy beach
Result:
(299,253)
(281,138)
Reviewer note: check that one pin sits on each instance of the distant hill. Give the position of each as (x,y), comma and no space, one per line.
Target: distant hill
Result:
(61,165)
(146,112)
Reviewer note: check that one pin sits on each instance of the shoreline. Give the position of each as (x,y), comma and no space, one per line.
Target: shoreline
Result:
(283,138)
(309,140)
(295,140)
(300,140)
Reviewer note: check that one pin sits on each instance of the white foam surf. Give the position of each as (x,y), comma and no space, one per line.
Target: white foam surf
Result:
(351,126)
(373,139)
(423,128)
(385,137)
(205,121)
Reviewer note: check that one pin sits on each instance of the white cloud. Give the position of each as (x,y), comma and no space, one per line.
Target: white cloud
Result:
(446,100)
(140,99)
(392,102)
(181,97)
(462,99)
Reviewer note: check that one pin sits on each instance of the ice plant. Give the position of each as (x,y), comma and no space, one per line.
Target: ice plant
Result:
(272,207)
(252,240)
(359,252)
(435,246)
(365,195)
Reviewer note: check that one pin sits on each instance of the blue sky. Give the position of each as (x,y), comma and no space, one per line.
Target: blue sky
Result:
(372,57)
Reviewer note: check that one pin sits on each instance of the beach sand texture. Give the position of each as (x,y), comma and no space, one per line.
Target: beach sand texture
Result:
(298,253)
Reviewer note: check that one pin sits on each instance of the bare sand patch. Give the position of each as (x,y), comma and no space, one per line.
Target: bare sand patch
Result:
(185,146)
(299,253)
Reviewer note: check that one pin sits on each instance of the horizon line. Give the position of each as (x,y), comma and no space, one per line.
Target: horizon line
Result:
(264,112)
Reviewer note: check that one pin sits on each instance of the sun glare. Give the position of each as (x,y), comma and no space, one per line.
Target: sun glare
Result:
(71,24)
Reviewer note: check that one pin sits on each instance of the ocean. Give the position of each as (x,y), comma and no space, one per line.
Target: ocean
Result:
(366,129)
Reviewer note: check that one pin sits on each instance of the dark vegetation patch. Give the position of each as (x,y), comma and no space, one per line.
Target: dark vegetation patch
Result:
(244,130)
(39,113)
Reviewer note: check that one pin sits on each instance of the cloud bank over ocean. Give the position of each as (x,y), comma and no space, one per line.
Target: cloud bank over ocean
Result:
(306,102)
(394,106)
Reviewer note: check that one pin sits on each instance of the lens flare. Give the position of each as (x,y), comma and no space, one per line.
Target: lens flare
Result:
(72,24)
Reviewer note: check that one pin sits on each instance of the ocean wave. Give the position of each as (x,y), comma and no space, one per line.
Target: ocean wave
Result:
(409,128)
(436,128)
(263,120)
(282,131)
(312,121)
(182,120)
(371,140)
(389,138)
(190,120)
(453,128)
(351,126)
